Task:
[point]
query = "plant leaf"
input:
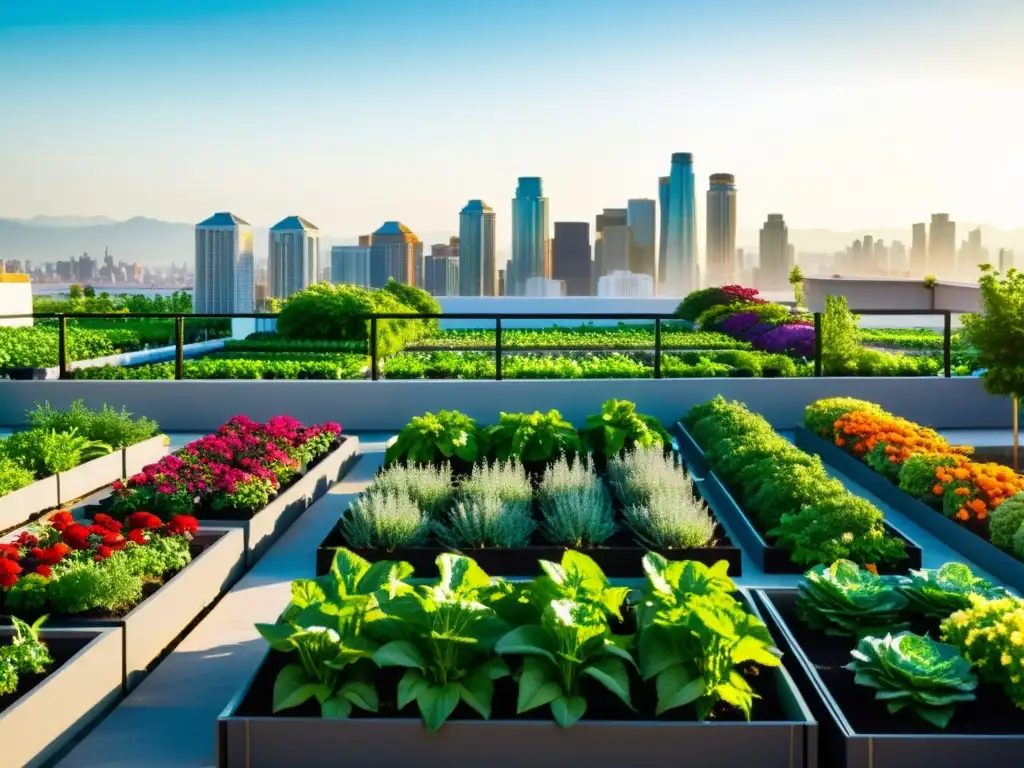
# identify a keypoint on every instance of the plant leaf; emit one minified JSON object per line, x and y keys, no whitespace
{"x":656,"y":652}
{"x":278,"y":635}
{"x":567,"y":710}
{"x":292,"y":688}
{"x":437,"y":702}
{"x":537,"y":685}
{"x":677,"y":687}
{"x":528,"y":640}
{"x":337,"y":707}
{"x":613,"y":675}
{"x":399,"y":653}
{"x":478,"y":692}
{"x":409,"y":687}
{"x":362,"y":694}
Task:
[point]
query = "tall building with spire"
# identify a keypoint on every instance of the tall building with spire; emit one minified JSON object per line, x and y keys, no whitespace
{"x":224,"y":266}
{"x":682,"y":270}
{"x":720,"y":252}
{"x":293,"y":260}
{"x":395,"y":253}
{"x":531,"y":246}
{"x":663,"y":208}
{"x":478,"y":267}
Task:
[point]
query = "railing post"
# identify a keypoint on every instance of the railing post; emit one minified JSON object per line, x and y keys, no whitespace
{"x":657,"y":348}
{"x":947,"y":343}
{"x":373,"y":348}
{"x":179,"y":347}
{"x":62,"y":347}
{"x":817,"y":343}
{"x":497,"y":349}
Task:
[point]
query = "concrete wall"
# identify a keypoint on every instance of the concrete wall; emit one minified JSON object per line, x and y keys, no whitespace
{"x":15,"y":299}
{"x":187,"y":406}
{"x":891,"y":293}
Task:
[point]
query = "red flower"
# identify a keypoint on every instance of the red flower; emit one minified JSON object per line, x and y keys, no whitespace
{"x":181,"y":525}
{"x":76,"y":536}
{"x":144,"y":520}
{"x":114,"y":541}
{"x":26,"y":539}
{"x":51,"y":555}
{"x":61,"y":520}
{"x":44,"y":570}
{"x":9,"y":551}
{"x":107,"y":522}
{"x":103,"y":552}
{"x":9,"y":571}
{"x":137,"y":535}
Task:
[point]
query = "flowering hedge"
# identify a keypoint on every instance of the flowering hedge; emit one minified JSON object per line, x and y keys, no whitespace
{"x":238,"y":468}
{"x":917,"y":459}
{"x":69,"y":567}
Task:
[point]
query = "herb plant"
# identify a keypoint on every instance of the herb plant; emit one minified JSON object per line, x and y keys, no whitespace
{"x":434,"y":438}
{"x":429,"y":487}
{"x":575,"y":507}
{"x":938,"y":593}
{"x":26,"y":654}
{"x":494,"y":509}
{"x":843,"y":599}
{"x":12,"y":475}
{"x":378,"y":520}
{"x":533,"y":437}
{"x":915,"y":673}
{"x":619,"y":427}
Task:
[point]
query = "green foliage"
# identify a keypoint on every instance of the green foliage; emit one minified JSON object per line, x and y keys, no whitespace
{"x":821,"y":415}
{"x":695,"y":637}
{"x":429,"y":487}
{"x":796,"y":279}
{"x":26,"y":654}
{"x":618,"y":427}
{"x":583,"y":337}
{"x":989,"y":636}
{"x":938,"y":593}
{"x":274,"y":342}
{"x":914,"y":673}
{"x":905,"y":338}
{"x":698,"y":302}
{"x":434,"y":438}
{"x":840,"y":341}
{"x":46,"y":452}
{"x":494,"y":508}
{"x":12,"y":475}
{"x":419,"y":301}
{"x":109,"y":587}
{"x":1005,"y":520}
{"x":842,"y":599}
{"x":253,"y":366}
{"x":917,"y":474}
{"x":712,"y":318}
{"x":532,"y":437}
{"x":107,"y":425}
{"x":575,"y":507}
{"x":1018,"y":544}
{"x":378,"y":520}
{"x":28,"y":596}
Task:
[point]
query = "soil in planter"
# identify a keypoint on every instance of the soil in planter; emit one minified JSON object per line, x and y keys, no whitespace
{"x":992,"y":713}
{"x":61,"y":649}
{"x":603,"y":706}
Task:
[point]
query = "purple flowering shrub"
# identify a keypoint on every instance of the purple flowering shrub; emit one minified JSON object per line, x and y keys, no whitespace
{"x":791,"y":339}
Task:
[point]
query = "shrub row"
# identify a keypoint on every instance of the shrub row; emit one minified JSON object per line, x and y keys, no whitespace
{"x":584,"y":337}
{"x":266,"y":366}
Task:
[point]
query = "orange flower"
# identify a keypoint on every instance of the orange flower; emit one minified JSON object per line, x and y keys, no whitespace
{"x":937,"y":489}
{"x":962,"y":515}
{"x":871,"y":568}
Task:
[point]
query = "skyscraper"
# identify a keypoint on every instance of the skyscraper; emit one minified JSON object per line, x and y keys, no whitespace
{"x":293,"y":261}
{"x":441,"y":270}
{"x":641,"y":216}
{"x":919,"y":251}
{"x":664,"y":206}
{"x":224,"y":265}
{"x":942,"y":247}
{"x":682,"y":272}
{"x":478,"y":268}
{"x":531,"y":251}
{"x":350,"y":265}
{"x":610,"y":217}
{"x":395,"y":252}
{"x":570,"y":257}
{"x":616,"y":247}
{"x":776,"y":255}
{"x":1006,"y":260}
{"x":721,"y":230}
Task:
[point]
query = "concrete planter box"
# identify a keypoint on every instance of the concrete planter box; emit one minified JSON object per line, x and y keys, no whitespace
{"x":265,"y":741}
{"x":26,"y":503}
{"x":44,"y":720}
{"x":974,"y":548}
{"x":145,"y":453}
{"x":769,"y":558}
{"x":266,"y":526}
{"x":842,"y":746}
{"x":89,"y":477}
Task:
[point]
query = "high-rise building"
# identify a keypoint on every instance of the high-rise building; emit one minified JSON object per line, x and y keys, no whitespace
{"x":543,"y":287}
{"x":570,"y":257}
{"x":224,"y":266}
{"x":366,"y":240}
{"x":616,"y":246}
{"x":898,"y":264}
{"x":531,"y":250}
{"x":919,"y":251}
{"x":664,"y":205}
{"x":641,"y":217}
{"x":1006,"y":261}
{"x":501,"y":282}
{"x":622,"y":284}
{"x":293,"y":261}
{"x":682,"y":270}
{"x":972,"y":255}
{"x":441,"y":273}
{"x":942,"y":247}
{"x":610,"y":217}
{"x":395,"y":253}
{"x":350,"y":265}
{"x":776,"y":255}
{"x":478,"y":267}
{"x":720,"y":253}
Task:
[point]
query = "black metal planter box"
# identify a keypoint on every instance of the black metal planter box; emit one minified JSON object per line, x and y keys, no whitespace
{"x":248,"y":737}
{"x":46,"y":714}
{"x":770,"y":559}
{"x":974,"y":548}
{"x":988,"y":733}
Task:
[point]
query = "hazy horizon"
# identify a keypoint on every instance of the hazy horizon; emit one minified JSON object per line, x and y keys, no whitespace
{"x":833,"y":114}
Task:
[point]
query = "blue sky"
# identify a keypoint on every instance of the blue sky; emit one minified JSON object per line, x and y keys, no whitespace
{"x":837,"y":114}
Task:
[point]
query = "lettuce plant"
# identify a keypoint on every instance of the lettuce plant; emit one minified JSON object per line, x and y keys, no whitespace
{"x":915,"y":673}
{"x":26,"y":654}
{"x":619,"y":427}
{"x":843,"y":599}
{"x":938,"y":593}
{"x":444,"y":635}
{"x":694,"y":635}
{"x":323,"y":626}
{"x":436,"y":437}
{"x":533,"y":437}
{"x":569,"y":639}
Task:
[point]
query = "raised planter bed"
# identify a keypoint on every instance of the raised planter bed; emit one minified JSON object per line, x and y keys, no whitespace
{"x":89,"y":477}
{"x":142,"y":454}
{"x":48,"y":712}
{"x":768,"y":558}
{"x":18,"y":507}
{"x":249,"y":737}
{"x":858,"y":732}
{"x":974,"y":548}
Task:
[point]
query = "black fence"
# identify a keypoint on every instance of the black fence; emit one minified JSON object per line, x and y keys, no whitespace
{"x":658,"y":319}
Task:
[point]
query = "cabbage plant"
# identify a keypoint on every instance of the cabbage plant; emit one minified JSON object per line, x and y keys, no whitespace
{"x":844,"y":599}
{"x":938,"y":593}
{"x":915,"y":673}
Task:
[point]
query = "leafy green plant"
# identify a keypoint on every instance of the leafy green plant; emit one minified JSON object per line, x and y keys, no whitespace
{"x":821,"y":415}
{"x":989,"y":636}
{"x":574,"y":504}
{"x":378,"y":520}
{"x":840,"y":342}
{"x":533,"y":437}
{"x":444,"y":635}
{"x":12,"y":475}
{"x":940,"y":592}
{"x":583,"y":337}
{"x":998,"y":331}
{"x":26,"y":654}
{"x":569,"y":639}
{"x":695,"y":637}
{"x":917,"y":474}
{"x":843,"y":599}
{"x":914,"y":673}
{"x":429,"y":487}
{"x":1005,"y":520}
{"x":436,"y":437}
{"x":494,"y":509}
{"x":619,"y":427}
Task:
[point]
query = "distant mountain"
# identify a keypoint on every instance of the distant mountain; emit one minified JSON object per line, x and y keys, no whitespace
{"x":66,"y":221}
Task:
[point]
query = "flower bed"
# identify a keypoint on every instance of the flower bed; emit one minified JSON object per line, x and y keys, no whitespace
{"x":768,"y":491}
{"x":890,"y":673}
{"x":916,"y":472}
{"x":491,"y":684}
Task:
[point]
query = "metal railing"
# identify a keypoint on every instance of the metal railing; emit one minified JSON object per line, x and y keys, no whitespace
{"x":657,"y":318}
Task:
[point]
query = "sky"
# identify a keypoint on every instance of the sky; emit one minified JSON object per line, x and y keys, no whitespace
{"x":838,"y":114}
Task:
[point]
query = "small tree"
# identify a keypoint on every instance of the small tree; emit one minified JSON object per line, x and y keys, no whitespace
{"x":997,"y":332}
{"x":840,"y":338}
{"x":796,"y":279}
